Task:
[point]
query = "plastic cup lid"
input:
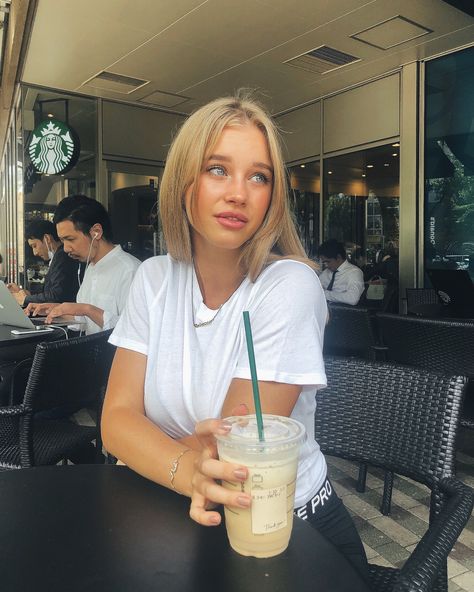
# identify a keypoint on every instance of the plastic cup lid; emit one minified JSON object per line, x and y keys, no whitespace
{"x":280,"y":433}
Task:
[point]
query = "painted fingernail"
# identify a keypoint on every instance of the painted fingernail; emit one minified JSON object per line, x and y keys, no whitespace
{"x":244,"y":502}
{"x":240,"y":474}
{"x":224,"y":428}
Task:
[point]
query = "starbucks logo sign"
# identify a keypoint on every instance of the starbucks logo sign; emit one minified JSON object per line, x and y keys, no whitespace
{"x":54,"y":147}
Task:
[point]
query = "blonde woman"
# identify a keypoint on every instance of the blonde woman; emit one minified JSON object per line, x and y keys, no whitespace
{"x":181,"y":354}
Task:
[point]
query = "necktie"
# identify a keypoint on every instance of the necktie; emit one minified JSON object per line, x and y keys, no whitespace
{"x":331,"y":283}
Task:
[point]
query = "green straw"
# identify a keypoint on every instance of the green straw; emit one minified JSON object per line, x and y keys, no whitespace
{"x":253,"y":373}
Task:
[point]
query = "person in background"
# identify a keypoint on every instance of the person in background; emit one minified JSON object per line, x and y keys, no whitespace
{"x":182,"y":361}
{"x":387,"y":263}
{"x":61,"y":283}
{"x":84,"y":228}
{"x":359,"y":258}
{"x":342,"y":282}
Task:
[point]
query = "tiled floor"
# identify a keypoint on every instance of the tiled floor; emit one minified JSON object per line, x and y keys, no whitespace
{"x":390,"y":539}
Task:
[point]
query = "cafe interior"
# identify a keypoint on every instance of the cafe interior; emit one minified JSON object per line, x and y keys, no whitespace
{"x":374,"y":101}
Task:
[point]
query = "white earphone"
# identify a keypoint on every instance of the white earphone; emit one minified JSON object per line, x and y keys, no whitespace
{"x":95,"y":236}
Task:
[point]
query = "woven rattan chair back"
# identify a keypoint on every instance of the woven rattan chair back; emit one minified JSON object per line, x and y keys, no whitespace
{"x":440,"y":345}
{"x":404,"y":420}
{"x":398,"y":418}
{"x":417,"y":296}
{"x":67,"y":373}
{"x":350,"y":331}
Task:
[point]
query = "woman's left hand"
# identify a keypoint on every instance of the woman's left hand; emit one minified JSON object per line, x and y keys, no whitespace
{"x":208,"y":470}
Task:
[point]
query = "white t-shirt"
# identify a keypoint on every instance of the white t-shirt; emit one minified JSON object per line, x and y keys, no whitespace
{"x":106,"y":285}
{"x":189,"y":370}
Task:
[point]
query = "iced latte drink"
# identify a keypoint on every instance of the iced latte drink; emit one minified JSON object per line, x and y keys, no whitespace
{"x":264,"y":529}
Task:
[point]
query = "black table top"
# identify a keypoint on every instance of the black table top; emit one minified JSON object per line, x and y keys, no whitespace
{"x":96,"y":528}
{"x":7,"y":338}
{"x":20,"y":347}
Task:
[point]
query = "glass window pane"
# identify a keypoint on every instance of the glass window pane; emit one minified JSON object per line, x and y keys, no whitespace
{"x":449,"y":162}
{"x":60,"y":159}
{"x":361,"y":206}
{"x":305,"y":184}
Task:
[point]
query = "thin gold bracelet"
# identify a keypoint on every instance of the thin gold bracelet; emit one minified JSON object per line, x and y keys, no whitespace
{"x":175,"y":466}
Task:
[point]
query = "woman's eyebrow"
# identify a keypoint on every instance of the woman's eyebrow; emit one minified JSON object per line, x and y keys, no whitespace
{"x":222,"y":158}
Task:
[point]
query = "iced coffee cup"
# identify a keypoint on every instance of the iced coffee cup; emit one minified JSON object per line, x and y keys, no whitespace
{"x":264,"y":529}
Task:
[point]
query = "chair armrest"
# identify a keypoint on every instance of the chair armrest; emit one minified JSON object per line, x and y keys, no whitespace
{"x":13,"y":411}
{"x":430,"y":555}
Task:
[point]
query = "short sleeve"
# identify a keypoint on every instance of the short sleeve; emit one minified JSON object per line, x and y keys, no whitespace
{"x":288,"y":313}
{"x":132,"y":329}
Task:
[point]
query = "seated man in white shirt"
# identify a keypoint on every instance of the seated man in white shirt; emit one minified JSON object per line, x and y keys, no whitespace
{"x":342,"y":282}
{"x":84,"y":228}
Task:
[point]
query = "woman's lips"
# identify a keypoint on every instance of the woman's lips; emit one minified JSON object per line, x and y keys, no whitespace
{"x":232,"y":221}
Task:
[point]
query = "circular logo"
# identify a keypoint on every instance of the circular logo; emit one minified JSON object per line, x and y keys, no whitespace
{"x":54,"y":147}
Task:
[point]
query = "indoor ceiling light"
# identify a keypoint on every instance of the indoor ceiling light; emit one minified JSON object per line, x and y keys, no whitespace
{"x":395,"y":154}
{"x":329,"y":172}
{"x":364,"y":175}
{"x":302,"y":166}
{"x":370,"y":166}
{"x":396,"y":145}
{"x":386,"y":164}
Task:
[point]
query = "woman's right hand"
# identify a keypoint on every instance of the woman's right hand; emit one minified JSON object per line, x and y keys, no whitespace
{"x":208,"y":471}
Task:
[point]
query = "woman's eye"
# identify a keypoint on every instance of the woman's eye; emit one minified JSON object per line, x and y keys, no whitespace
{"x":260,"y":178}
{"x":216,"y":170}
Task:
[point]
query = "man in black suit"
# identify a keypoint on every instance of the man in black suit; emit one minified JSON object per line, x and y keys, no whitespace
{"x":61,"y":283}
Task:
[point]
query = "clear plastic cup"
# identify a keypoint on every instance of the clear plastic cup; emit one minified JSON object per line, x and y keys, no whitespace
{"x":264,"y":529}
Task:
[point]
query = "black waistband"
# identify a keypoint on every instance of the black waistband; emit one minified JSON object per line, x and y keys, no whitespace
{"x":322,"y":498}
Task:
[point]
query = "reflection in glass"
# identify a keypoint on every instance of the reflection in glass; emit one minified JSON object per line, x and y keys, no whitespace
{"x":305,"y":185}
{"x":133,"y":208}
{"x":361,"y":207}
{"x":42,"y":192}
{"x":449,"y":162}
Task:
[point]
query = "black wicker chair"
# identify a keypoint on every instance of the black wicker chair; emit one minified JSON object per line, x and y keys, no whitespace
{"x":440,"y":345}
{"x":350,"y":331}
{"x":403,"y":420}
{"x":64,"y":374}
{"x":443,"y":346}
{"x":420,"y":296}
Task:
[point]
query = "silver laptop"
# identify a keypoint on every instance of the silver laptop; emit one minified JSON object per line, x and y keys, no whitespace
{"x":12,"y":314}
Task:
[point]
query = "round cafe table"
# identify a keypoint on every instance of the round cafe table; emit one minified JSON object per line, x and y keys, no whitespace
{"x":103,"y":528}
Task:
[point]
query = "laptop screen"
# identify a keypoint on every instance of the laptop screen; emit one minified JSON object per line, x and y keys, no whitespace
{"x":12,"y":314}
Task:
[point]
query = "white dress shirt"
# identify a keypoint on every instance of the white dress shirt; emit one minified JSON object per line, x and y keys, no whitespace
{"x":106,"y":285}
{"x":348,"y":284}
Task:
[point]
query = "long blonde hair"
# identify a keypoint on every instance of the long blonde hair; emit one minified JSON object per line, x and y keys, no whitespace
{"x":277,"y":237}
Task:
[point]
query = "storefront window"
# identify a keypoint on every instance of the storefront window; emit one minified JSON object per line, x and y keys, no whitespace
{"x":305,"y":185}
{"x":361,"y":203}
{"x":59,"y":158}
{"x":449,"y":162}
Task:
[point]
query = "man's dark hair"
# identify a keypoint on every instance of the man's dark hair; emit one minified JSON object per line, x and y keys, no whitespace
{"x":84,"y":212}
{"x":39,"y":227}
{"x":331,"y":249}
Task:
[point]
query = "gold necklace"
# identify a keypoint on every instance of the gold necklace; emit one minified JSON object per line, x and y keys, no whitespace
{"x":204,"y":323}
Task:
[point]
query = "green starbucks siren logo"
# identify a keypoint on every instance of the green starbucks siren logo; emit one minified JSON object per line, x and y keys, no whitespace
{"x":54,"y":147}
